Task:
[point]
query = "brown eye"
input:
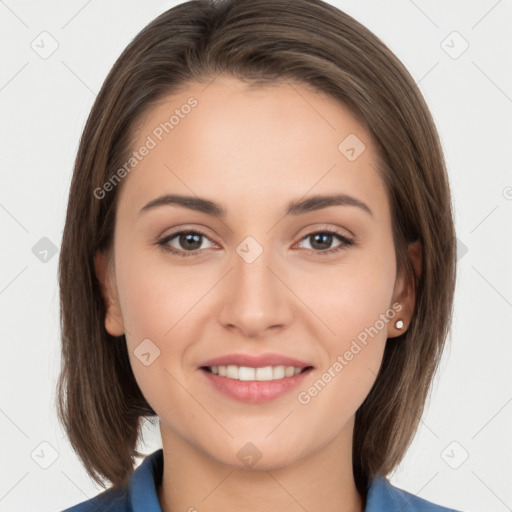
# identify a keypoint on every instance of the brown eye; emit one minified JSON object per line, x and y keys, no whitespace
{"x":321,"y":241}
{"x":183,"y":243}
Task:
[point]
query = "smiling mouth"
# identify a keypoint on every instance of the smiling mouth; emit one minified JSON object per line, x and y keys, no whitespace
{"x":258,"y":374}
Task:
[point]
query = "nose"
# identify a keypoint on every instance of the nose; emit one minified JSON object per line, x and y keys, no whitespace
{"x":255,"y":297}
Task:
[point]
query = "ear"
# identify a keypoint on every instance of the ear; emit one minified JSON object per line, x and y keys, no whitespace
{"x":405,"y":293}
{"x":104,"y":272}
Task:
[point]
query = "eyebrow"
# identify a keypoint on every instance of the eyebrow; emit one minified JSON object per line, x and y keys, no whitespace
{"x":299,"y":207}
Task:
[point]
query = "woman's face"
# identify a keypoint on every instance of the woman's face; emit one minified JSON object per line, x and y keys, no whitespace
{"x":312,"y":286}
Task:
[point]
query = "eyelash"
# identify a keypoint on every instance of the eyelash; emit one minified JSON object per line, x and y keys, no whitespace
{"x":346,"y":242}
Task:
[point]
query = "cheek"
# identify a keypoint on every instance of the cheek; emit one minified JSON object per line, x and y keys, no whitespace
{"x":161,"y":302}
{"x":352,"y":297}
{"x":156,"y":295}
{"x":154,"y":302}
{"x":356,"y":311}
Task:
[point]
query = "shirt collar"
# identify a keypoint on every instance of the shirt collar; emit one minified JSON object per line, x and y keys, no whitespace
{"x":381,"y":496}
{"x":144,"y":482}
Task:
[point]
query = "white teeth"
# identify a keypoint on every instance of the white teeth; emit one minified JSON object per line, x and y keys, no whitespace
{"x":289,"y":371}
{"x":259,"y":374}
{"x":278,"y":372}
{"x":232,"y":371}
{"x":245,"y":373}
{"x":264,"y":373}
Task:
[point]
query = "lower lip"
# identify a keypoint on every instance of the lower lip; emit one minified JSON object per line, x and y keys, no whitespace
{"x":254,"y":391}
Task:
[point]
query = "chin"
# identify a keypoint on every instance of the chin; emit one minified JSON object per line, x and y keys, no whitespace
{"x":258,"y":454}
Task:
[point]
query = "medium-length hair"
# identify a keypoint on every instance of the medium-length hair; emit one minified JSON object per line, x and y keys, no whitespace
{"x":260,"y":42}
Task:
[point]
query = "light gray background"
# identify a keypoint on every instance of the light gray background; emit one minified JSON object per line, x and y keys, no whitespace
{"x":44,"y":103}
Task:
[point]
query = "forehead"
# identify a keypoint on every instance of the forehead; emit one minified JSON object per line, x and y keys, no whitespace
{"x":258,"y":145}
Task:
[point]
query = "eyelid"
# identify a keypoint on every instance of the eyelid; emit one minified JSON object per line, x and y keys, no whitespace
{"x":317,"y":227}
{"x":177,"y":230}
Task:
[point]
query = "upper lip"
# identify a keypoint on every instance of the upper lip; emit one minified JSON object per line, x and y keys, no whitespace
{"x":253,"y":361}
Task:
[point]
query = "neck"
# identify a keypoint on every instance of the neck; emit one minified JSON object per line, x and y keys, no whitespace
{"x":194,"y":481}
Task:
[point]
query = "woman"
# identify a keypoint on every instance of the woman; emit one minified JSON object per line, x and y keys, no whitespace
{"x":259,"y":250}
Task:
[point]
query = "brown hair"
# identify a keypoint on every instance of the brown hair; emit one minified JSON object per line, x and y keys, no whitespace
{"x":260,"y":42}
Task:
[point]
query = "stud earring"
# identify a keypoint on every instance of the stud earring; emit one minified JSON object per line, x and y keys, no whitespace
{"x":399,"y":324}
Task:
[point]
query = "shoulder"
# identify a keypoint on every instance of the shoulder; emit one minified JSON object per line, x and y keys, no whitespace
{"x":140,"y":494}
{"x":384,"y":497}
{"x":111,"y":500}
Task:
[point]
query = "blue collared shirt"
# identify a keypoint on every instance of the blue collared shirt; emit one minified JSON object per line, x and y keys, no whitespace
{"x":141,"y":494}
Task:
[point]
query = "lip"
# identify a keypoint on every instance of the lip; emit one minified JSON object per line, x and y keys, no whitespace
{"x":256,"y":361}
{"x":253,"y":391}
